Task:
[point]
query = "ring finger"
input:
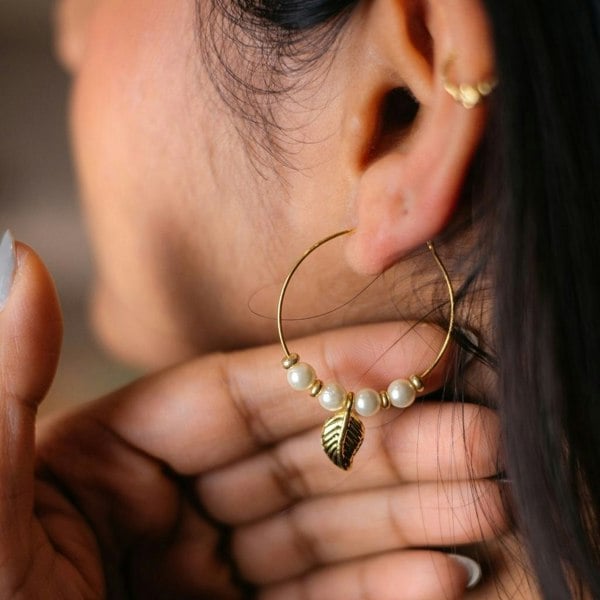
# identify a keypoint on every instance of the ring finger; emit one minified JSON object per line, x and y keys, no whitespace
{"x":429,"y":442}
{"x":333,"y":529}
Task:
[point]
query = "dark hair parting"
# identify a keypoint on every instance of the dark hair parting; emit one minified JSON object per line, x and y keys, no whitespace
{"x":296,"y":14}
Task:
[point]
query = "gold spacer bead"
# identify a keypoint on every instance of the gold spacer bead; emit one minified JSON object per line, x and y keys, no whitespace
{"x":349,"y":401}
{"x":316,"y":387}
{"x":290,"y":360}
{"x":416,"y":382}
{"x":385,"y":399}
{"x":485,"y":88}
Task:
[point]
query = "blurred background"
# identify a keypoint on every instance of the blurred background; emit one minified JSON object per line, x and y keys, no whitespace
{"x":38,"y":198}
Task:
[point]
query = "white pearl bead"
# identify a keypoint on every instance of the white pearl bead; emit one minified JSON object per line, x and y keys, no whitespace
{"x":401,"y":393}
{"x":301,"y":376}
{"x":332,"y":396}
{"x":367,"y":402}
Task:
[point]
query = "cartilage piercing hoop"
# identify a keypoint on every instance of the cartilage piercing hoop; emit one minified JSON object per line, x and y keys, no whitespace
{"x":469,"y":95}
{"x":343,"y":433}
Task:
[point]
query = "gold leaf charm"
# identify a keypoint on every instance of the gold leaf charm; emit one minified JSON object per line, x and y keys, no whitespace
{"x":342,"y":436}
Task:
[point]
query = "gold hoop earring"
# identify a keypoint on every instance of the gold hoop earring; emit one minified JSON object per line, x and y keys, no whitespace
{"x":343,"y":434}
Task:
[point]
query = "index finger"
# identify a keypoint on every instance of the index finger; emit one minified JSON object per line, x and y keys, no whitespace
{"x":219,"y":408}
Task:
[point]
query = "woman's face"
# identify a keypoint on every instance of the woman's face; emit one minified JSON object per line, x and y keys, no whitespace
{"x":189,"y":229}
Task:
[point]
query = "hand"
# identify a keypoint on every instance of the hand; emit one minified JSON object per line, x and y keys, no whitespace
{"x":167,"y":487}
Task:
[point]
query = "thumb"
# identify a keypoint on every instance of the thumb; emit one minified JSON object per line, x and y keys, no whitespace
{"x":30,"y":337}
{"x":30,"y":327}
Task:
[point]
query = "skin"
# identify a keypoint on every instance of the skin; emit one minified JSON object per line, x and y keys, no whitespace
{"x":93,"y":533}
{"x":153,"y":220}
{"x":147,"y":288}
{"x":204,"y":469}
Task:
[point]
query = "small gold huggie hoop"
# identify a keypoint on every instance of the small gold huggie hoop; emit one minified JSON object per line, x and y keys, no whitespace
{"x":343,"y":434}
{"x":467,"y":94}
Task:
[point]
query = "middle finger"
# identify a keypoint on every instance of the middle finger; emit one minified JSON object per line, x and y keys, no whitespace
{"x":429,"y":442}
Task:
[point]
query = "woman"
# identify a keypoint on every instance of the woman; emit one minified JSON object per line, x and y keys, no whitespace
{"x":215,"y":142}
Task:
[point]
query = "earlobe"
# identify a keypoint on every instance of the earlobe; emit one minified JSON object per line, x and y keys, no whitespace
{"x":405,"y":199}
{"x":408,"y":192}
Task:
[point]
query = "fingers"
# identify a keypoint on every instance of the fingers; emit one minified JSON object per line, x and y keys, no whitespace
{"x":30,"y":337}
{"x":410,"y":575}
{"x":220,"y":408}
{"x":429,"y":442}
{"x":30,"y":330}
{"x":333,"y":529}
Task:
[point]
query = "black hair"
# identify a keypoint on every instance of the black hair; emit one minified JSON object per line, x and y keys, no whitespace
{"x":296,"y":15}
{"x":546,"y":257}
{"x":259,"y":52}
{"x":539,"y":211}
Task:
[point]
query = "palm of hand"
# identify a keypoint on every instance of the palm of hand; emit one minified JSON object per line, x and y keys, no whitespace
{"x":115,"y":523}
{"x":123,"y":485}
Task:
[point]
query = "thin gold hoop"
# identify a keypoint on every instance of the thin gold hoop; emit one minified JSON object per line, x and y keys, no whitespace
{"x":343,"y":434}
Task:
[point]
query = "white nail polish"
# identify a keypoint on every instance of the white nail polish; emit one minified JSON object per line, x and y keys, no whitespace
{"x":471,"y":336}
{"x":471,"y":567}
{"x":474,"y":340}
{"x":7,"y":266}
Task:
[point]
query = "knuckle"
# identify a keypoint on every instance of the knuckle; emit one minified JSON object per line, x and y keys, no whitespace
{"x":486,"y":517}
{"x":247,"y":413}
{"x":288,"y":475}
{"x":482,"y":439}
{"x":306,"y":542}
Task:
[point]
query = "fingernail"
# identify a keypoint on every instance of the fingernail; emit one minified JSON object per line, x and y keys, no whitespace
{"x":471,"y":336}
{"x":473,"y":340}
{"x":471,"y":567}
{"x":7,"y":266}
{"x":501,"y":477}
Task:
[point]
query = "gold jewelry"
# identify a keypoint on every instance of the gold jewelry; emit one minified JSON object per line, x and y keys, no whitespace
{"x":343,"y":433}
{"x":466,"y":94}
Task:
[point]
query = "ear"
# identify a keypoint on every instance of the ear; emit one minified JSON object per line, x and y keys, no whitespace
{"x":409,"y":180}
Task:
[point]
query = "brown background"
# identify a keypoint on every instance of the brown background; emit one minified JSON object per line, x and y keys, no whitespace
{"x":38,"y":199}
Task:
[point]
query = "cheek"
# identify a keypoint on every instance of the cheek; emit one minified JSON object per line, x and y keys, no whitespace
{"x":131,"y":120}
{"x":131,"y":124}
{"x":129,"y":100}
